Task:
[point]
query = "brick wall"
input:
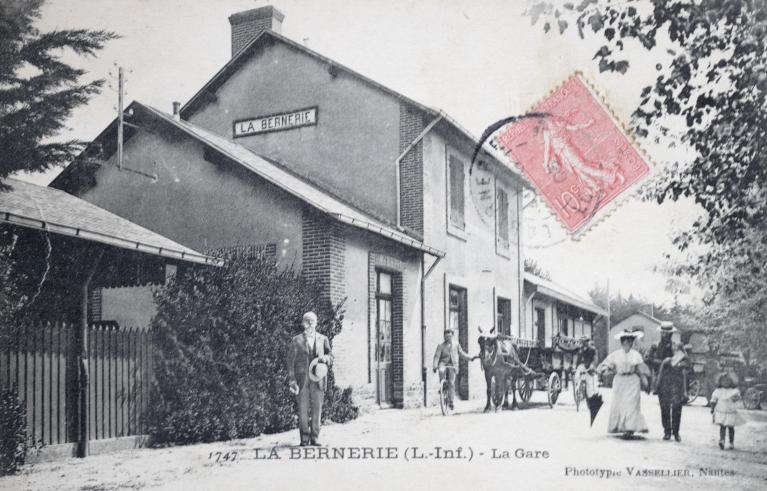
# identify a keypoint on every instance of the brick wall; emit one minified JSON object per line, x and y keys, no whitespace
{"x":411,"y":169}
{"x":246,"y":25}
{"x":323,"y":253}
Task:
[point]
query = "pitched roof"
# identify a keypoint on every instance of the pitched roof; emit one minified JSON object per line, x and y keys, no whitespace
{"x":554,"y":290}
{"x":652,"y":318}
{"x":32,"y":206}
{"x":289,"y":182}
{"x":241,"y":56}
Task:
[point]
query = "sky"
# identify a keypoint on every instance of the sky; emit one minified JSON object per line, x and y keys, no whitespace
{"x":479,"y":61}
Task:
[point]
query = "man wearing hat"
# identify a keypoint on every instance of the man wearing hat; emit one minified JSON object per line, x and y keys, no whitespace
{"x":662,"y":350}
{"x":309,"y":356}
{"x":665,"y":348}
{"x":667,"y":387}
{"x":446,"y":361}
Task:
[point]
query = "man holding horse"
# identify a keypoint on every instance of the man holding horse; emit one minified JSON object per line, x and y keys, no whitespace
{"x":446,"y":359}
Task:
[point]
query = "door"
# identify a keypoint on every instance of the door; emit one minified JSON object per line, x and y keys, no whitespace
{"x":540,"y":324}
{"x":383,"y":339}
{"x":458,"y":320}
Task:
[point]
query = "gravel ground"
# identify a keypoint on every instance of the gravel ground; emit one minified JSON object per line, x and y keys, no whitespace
{"x":562,"y":432}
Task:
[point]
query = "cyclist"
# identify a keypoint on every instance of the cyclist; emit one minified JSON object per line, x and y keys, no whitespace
{"x":446,"y":361}
{"x":586,"y":366}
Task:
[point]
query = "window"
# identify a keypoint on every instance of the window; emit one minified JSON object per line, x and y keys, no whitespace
{"x":563,"y":326}
{"x":454,"y":320}
{"x":456,"y":191}
{"x":503,"y":316}
{"x":502,"y":218}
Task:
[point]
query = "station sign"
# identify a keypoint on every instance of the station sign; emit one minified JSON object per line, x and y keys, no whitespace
{"x":275,"y":122}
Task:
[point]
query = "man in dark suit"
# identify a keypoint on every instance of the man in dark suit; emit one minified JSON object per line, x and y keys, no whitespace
{"x":309,"y":383}
{"x":669,"y":381}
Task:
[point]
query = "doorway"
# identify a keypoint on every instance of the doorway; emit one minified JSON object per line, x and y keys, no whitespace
{"x":458,"y":320}
{"x":383,"y":339}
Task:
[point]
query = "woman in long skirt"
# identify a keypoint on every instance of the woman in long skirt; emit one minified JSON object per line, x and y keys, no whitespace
{"x":631,"y":374}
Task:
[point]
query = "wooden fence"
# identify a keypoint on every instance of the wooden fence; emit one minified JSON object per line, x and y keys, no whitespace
{"x":39,"y":361}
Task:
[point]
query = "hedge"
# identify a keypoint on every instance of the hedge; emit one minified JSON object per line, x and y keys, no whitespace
{"x":220,"y":338}
{"x":13,"y":437}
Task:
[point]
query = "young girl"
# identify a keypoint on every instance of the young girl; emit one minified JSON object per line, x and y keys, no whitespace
{"x":723,"y":407}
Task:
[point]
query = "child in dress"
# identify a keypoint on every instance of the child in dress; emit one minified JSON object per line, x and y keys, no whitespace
{"x":723,"y":407}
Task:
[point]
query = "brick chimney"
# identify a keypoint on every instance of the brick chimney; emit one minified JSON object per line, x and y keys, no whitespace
{"x":246,"y":25}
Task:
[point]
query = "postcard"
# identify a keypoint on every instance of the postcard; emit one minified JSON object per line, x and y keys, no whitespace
{"x":256,"y":244}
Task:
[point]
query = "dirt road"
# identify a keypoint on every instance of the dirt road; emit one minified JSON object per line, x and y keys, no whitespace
{"x":468,"y":450}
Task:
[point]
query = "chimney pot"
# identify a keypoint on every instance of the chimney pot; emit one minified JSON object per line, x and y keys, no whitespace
{"x":176,"y":110}
{"x":248,"y":24}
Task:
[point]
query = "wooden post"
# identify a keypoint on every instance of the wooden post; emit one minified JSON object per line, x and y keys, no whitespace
{"x":82,"y":362}
{"x":120,"y":89}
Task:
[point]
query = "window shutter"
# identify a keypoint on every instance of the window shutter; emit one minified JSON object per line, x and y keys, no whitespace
{"x":503,"y":219}
{"x":456,"y":193}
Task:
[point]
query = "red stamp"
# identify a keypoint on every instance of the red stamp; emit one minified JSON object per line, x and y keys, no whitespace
{"x":574,"y":153}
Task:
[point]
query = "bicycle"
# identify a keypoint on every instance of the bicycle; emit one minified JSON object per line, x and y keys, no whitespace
{"x":579,"y":391}
{"x":579,"y":388}
{"x":444,"y":393}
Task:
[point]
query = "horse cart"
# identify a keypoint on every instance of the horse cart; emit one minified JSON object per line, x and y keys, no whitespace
{"x":705,"y":368}
{"x":526,"y":365}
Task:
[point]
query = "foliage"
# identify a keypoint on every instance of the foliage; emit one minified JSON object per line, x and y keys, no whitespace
{"x":13,"y":438}
{"x":8,"y":299}
{"x":535,"y":269}
{"x":14,"y":294}
{"x":38,"y":91}
{"x":622,"y":307}
{"x":710,"y":95}
{"x":221,"y":338}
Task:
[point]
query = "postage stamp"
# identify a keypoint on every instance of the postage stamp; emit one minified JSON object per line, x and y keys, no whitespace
{"x":574,"y":153}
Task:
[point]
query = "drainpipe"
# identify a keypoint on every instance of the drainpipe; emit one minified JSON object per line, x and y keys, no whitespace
{"x":520,"y":259}
{"x":424,"y":275}
{"x":82,"y":361}
{"x":402,"y":156}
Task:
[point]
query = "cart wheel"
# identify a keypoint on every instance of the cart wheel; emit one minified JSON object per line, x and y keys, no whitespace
{"x":554,"y":388}
{"x":525,"y":389}
{"x":693,"y":391}
{"x":752,"y":398}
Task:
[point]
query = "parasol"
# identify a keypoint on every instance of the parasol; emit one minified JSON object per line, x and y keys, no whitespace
{"x":594,"y":403}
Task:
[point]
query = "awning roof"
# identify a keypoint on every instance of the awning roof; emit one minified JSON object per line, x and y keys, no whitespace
{"x":38,"y":207}
{"x":553,"y":290}
{"x":290,"y":183}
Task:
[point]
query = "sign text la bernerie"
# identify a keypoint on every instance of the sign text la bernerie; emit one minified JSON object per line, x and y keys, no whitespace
{"x":276,"y":122}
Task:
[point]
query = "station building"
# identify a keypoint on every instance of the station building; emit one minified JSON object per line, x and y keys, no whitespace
{"x":639,"y":321}
{"x":365,"y":190}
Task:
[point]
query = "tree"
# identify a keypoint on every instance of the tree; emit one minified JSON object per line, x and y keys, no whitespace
{"x":622,"y":307}
{"x":535,"y":269}
{"x":38,"y":91}
{"x":715,"y":85}
{"x":710,"y":95}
